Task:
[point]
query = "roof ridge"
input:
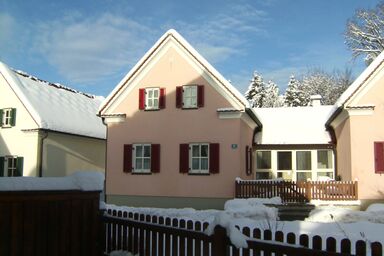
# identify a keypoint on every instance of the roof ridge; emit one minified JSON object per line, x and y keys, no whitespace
{"x":55,"y":85}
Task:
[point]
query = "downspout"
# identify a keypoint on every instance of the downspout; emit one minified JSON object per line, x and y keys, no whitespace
{"x":42,"y":152}
{"x":105,"y":157}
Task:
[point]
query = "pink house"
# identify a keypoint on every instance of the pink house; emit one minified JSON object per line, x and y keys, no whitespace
{"x":358,"y":121}
{"x":178,"y":133}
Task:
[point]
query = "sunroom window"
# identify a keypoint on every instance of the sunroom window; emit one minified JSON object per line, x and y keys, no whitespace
{"x":263,"y":160}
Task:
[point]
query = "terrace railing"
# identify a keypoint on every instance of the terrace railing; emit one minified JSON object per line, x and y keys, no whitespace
{"x":297,"y":192}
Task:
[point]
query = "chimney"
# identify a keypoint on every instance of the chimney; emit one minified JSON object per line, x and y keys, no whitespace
{"x":315,"y":100}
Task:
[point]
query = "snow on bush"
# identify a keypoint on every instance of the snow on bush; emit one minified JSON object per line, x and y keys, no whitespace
{"x":333,"y":214}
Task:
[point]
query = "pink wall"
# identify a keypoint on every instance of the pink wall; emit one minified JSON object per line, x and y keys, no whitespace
{"x":171,"y":127}
{"x":358,"y":137}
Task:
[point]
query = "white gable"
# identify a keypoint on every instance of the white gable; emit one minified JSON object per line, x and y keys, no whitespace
{"x":173,"y":39}
{"x":55,"y":107}
{"x":293,"y":125}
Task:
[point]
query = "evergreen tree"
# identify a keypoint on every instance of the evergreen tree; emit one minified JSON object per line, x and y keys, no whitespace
{"x":294,"y":94}
{"x":256,"y":91}
{"x":272,"y":99}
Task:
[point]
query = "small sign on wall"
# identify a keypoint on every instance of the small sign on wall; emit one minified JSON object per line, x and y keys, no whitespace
{"x":234,"y":146}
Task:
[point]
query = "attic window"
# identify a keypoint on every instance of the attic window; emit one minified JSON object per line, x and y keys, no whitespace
{"x":190,"y":96}
{"x":8,"y":117}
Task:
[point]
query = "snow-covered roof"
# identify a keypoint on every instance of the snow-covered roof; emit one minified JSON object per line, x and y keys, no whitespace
{"x":56,"y":107}
{"x":230,"y":90}
{"x":293,"y":125}
{"x":357,"y":84}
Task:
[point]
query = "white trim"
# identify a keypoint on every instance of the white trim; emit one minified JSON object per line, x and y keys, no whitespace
{"x":198,"y":171}
{"x":360,"y":111}
{"x":172,"y":39}
{"x":230,"y":115}
{"x":113,"y":119}
{"x":142,"y":170}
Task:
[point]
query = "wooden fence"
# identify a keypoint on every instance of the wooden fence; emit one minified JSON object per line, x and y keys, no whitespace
{"x":49,"y":223}
{"x":297,"y":192}
{"x":153,"y":235}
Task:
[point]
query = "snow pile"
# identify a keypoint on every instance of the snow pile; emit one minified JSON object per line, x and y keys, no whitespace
{"x":184,"y":213}
{"x":333,"y":214}
{"x":253,"y":208}
{"x":86,"y":181}
{"x":376,"y":208}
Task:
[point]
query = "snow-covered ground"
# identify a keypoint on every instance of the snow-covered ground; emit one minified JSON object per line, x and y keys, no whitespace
{"x":325,"y":221}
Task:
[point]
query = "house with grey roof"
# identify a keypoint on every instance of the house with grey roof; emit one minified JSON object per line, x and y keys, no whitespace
{"x":47,"y":129}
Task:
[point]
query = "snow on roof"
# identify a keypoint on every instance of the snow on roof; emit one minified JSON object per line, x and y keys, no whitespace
{"x":56,"y":107}
{"x":232,"y":91}
{"x":293,"y":125}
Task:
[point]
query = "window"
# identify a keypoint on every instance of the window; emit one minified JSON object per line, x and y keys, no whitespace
{"x":151,"y":98}
{"x":263,"y":159}
{"x":263,"y":175}
{"x":324,"y":159}
{"x":199,"y":158}
{"x":284,"y":160}
{"x":11,"y":166}
{"x":190,"y":96}
{"x":8,"y":117}
{"x":141,"y":158}
{"x":303,"y":160}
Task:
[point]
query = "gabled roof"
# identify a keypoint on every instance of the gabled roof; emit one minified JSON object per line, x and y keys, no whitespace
{"x":230,"y":91}
{"x":356,"y":86}
{"x":293,"y":125}
{"x":55,"y":107}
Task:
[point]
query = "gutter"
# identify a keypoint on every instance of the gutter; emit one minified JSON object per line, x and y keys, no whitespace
{"x":333,"y":116}
{"x":259,"y":127}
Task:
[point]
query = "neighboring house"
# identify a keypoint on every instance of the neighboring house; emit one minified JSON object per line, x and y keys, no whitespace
{"x":293,"y":144}
{"x":178,"y":132}
{"x":47,"y":129}
{"x":358,"y":122}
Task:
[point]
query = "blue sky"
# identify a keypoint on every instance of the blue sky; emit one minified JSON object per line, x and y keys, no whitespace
{"x":90,"y":45}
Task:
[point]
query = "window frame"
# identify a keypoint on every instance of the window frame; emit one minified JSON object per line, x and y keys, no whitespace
{"x":153,"y":98}
{"x":10,"y":171}
{"x":200,"y":158}
{"x":6,"y":121}
{"x":185,"y":96}
{"x":142,"y":157}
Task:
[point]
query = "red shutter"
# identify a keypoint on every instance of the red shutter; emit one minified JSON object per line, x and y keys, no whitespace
{"x":155,"y":158}
{"x":200,"y":96}
{"x":162,"y":98}
{"x":379,"y":157}
{"x":246,"y":160}
{"x":127,"y":158}
{"x":184,"y":158}
{"x":214,"y":158}
{"x":141,"y":98}
{"x":179,"y":96}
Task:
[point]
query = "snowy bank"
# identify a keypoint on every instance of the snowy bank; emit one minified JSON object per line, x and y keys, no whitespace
{"x":86,"y":181}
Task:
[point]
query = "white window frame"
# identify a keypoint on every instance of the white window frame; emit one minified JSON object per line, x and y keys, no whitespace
{"x":191,"y":157}
{"x":295,"y":168}
{"x":142,"y":157}
{"x":12,"y":170}
{"x":187,"y":99}
{"x":293,"y":173}
{"x":7,"y":117}
{"x":150,"y":100}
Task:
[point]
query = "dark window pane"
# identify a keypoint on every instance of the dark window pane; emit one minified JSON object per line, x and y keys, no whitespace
{"x":284,"y":160}
{"x":263,"y":159}
{"x":303,"y":160}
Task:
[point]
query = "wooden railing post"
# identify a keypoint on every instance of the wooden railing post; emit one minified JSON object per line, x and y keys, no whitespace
{"x":308,"y":188}
{"x":356,"y":196}
{"x":219,"y":241}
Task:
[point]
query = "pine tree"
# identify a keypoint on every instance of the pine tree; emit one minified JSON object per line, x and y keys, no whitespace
{"x":294,"y":94}
{"x":272,"y":99}
{"x":256,"y":91}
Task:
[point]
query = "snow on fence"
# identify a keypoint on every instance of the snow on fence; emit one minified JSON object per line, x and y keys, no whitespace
{"x":297,"y":192}
{"x":143,"y":234}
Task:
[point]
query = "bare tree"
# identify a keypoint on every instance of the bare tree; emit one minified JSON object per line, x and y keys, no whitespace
{"x":364,"y":33}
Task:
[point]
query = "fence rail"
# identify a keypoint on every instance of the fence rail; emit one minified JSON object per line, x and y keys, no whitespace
{"x":297,"y":192}
{"x":153,"y":235}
